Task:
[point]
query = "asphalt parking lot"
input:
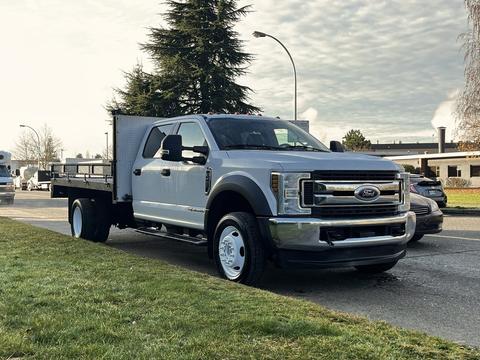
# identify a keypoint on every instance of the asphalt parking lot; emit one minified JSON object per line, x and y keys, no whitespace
{"x":435,"y":289}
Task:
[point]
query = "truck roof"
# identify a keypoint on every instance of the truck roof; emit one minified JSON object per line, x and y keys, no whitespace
{"x":208,"y":117}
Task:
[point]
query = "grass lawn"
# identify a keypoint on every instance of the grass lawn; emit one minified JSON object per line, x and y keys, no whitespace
{"x":463,"y":197}
{"x":66,"y":298}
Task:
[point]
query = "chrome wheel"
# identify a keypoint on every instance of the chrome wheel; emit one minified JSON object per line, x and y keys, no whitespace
{"x":77,"y":222}
{"x":231,"y":250}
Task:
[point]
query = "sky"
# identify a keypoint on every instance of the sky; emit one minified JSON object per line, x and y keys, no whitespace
{"x":389,"y":68}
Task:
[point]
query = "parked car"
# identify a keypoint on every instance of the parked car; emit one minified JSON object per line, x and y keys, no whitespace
{"x":429,"y":216}
{"x":250,"y":189}
{"x":432,"y":189}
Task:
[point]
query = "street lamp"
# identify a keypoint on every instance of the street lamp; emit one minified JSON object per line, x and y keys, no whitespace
{"x":38,"y":141}
{"x":106,"y":136}
{"x":259,"y":34}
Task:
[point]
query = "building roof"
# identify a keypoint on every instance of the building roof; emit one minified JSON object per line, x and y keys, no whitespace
{"x":450,"y":155}
{"x":412,"y":146}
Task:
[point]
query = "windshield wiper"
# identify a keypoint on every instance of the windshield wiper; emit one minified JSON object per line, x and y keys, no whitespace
{"x":251,"y":146}
{"x":303,"y":147}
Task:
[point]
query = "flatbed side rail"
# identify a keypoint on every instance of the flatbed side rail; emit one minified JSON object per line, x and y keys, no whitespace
{"x":84,"y":170}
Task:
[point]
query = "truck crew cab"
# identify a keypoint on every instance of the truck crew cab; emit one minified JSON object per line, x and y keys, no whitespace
{"x":249,"y":188}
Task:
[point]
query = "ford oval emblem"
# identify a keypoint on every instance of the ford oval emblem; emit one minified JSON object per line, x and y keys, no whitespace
{"x":367,"y":193}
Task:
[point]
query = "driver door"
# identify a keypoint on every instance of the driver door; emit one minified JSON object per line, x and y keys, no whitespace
{"x":189,"y":180}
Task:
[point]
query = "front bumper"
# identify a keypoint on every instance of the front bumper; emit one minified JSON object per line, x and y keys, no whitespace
{"x":429,"y":224}
{"x":6,"y":196}
{"x":298,"y":241}
{"x":306,"y":233}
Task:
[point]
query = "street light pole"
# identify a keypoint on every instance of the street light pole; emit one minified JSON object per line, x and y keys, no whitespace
{"x":106,"y":136}
{"x":259,"y":34}
{"x":38,"y":141}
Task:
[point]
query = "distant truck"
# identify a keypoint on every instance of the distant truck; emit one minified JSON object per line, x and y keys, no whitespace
{"x":251,"y":189}
{"x":7,"y":189}
{"x":24,"y":174}
{"x":41,"y":180}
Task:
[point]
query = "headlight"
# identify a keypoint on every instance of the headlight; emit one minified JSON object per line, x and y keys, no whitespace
{"x":433,"y":205}
{"x":286,"y":187}
{"x":405,"y":189}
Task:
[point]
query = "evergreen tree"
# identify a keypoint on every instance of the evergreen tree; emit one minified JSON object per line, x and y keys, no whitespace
{"x":142,"y":96}
{"x":354,"y":140}
{"x":197,"y":59}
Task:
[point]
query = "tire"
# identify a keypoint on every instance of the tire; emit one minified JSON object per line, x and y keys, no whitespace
{"x":375,"y":268}
{"x":238,"y":249}
{"x":416,"y":238}
{"x":89,"y":221}
{"x":442,"y":204}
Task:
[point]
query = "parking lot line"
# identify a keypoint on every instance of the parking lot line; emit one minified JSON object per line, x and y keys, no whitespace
{"x":452,"y":237}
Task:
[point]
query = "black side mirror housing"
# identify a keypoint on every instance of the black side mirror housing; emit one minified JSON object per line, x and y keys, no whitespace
{"x":17,"y":172}
{"x":336,"y":146}
{"x":171,"y":148}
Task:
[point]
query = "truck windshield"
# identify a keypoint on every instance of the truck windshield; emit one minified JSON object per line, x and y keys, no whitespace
{"x":4,"y":171}
{"x":262,"y":134}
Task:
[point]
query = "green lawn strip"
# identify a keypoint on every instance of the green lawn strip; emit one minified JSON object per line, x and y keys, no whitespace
{"x":463,"y":198}
{"x":67,"y":298}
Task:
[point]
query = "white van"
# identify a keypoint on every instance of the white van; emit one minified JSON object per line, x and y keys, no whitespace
{"x":7,"y":189}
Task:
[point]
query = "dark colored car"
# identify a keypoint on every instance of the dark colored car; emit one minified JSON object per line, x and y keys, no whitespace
{"x":429,"y":188}
{"x":429,"y":216}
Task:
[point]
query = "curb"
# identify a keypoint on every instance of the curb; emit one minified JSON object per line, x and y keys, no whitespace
{"x":466,"y":211}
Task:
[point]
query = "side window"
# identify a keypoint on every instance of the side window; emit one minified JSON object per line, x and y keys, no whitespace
{"x":155,"y":140}
{"x":192,"y":135}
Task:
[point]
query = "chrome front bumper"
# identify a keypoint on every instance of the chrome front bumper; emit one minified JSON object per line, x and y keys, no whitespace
{"x":304,"y":233}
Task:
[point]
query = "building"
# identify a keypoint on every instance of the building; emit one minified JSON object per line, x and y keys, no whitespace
{"x":439,"y":160}
{"x":444,"y":166}
{"x":400,"y":148}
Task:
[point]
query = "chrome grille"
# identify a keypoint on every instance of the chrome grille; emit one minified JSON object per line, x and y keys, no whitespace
{"x":336,"y":193}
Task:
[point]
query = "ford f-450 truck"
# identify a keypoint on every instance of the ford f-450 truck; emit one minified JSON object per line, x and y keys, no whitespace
{"x":251,"y":189}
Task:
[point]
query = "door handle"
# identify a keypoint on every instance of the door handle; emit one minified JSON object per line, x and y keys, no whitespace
{"x":137,"y":172}
{"x":165,"y":172}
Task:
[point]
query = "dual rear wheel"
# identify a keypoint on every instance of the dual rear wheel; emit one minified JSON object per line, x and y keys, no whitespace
{"x":90,"y":220}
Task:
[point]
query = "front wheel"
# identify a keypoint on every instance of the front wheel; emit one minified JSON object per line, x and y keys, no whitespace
{"x":375,"y":268}
{"x":238,"y":248}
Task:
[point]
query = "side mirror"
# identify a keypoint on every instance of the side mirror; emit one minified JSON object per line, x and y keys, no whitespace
{"x":17,"y":172}
{"x":171,"y":148}
{"x":336,"y":146}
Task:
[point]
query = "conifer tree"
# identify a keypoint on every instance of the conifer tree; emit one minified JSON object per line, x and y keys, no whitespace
{"x":197,"y":59}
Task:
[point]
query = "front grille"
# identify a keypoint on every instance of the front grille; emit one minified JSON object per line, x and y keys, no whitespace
{"x":355,"y":175}
{"x":354,"y":211}
{"x":339,"y":193}
{"x":420,"y":209}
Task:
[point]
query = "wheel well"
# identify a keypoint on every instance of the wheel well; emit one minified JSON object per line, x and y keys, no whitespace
{"x":224,"y":203}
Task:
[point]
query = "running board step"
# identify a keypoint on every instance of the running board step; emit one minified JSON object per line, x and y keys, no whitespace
{"x":183,"y":238}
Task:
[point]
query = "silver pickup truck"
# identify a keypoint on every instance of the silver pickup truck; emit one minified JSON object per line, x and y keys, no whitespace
{"x":251,"y":189}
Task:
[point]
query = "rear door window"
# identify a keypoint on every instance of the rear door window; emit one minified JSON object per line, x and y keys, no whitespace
{"x":154,"y":141}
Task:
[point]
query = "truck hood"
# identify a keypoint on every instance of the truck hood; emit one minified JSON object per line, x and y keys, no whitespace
{"x":309,"y":160}
{"x":6,"y":179}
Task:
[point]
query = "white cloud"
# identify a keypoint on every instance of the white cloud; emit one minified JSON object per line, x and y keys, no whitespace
{"x":376,"y":65}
